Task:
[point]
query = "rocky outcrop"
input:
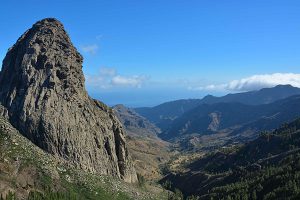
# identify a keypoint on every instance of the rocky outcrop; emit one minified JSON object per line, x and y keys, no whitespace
{"x":215,"y":121}
{"x":42,"y":88}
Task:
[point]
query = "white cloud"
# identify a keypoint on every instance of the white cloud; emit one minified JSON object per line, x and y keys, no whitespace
{"x":107,"y":71}
{"x":255,"y":82}
{"x":134,"y":81}
{"x":91,"y":49}
{"x":109,"y":77}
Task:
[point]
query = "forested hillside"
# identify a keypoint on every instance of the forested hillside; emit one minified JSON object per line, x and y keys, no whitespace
{"x":266,"y":168}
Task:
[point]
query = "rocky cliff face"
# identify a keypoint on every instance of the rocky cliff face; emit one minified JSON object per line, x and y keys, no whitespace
{"x":42,"y":88}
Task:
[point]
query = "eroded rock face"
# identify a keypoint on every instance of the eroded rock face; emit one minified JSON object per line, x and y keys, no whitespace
{"x":42,"y":87}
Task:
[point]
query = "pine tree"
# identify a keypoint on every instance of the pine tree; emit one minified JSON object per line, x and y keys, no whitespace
{"x":254,"y":197}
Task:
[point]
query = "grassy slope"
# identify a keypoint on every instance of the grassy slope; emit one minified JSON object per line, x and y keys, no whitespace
{"x":149,"y":155}
{"x":25,"y":168}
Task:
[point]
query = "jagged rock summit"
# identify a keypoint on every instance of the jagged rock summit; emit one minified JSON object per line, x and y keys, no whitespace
{"x":42,"y":88}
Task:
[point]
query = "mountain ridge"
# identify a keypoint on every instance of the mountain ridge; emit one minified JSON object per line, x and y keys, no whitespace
{"x":135,"y":123}
{"x":162,"y":115}
{"x":211,"y":118}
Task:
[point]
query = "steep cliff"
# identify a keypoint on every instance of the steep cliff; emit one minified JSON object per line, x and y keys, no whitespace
{"x":42,"y":88}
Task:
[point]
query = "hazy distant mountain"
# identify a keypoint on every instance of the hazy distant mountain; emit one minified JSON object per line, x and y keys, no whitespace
{"x":263,"y":96}
{"x":164,"y":114}
{"x":134,"y":123}
{"x":212,"y":118}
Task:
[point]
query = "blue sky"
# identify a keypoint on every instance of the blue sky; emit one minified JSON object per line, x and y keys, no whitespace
{"x":141,"y":53}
